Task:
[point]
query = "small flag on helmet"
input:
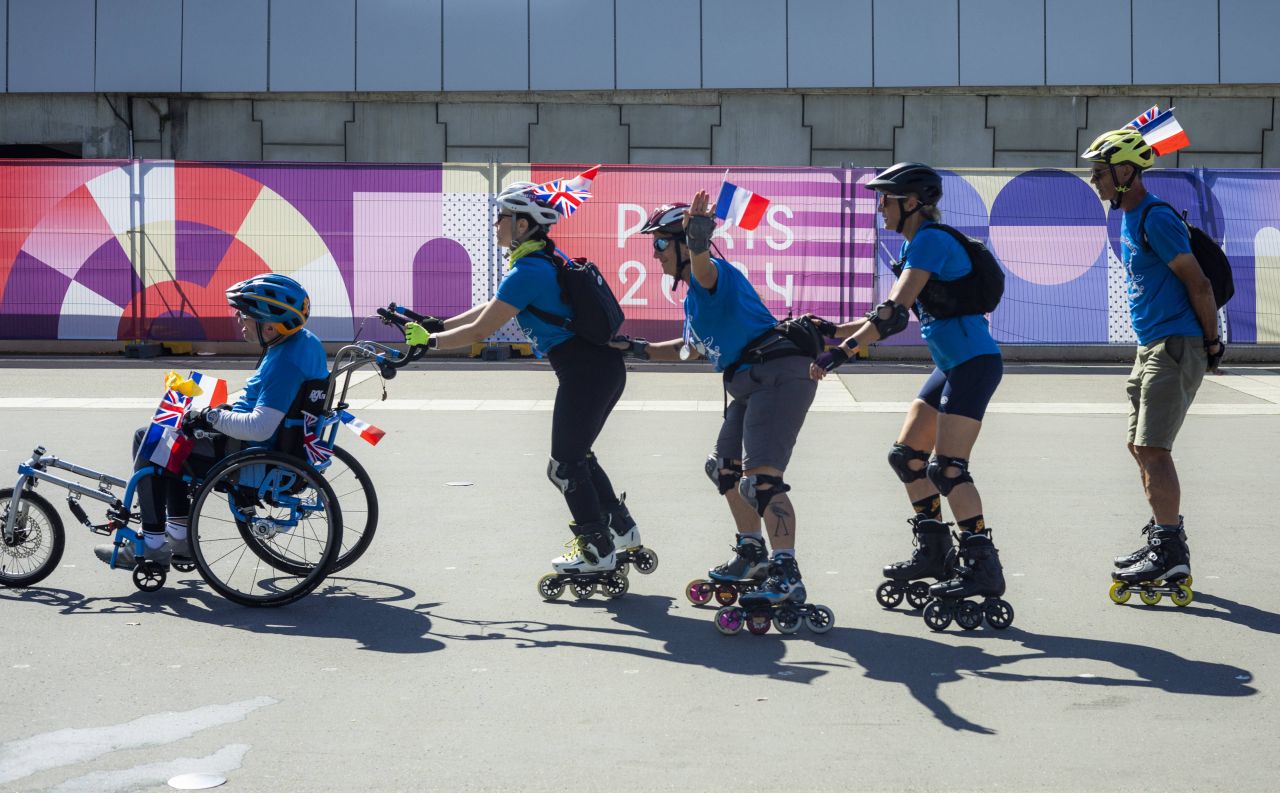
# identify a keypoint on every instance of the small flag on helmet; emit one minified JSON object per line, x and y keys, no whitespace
{"x":1164,"y":134}
{"x":1146,"y":117}
{"x":566,"y":195}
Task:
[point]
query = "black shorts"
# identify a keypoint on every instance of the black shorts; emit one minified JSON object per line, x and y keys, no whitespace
{"x":965,"y":389}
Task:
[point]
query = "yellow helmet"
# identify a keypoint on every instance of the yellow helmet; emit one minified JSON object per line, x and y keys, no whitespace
{"x":1121,"y":146}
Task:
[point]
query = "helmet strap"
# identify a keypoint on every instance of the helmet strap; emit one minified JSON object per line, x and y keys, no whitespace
{"x":904,"y":213}
{"x":1121,"y":189}
{"x":682,"y":262}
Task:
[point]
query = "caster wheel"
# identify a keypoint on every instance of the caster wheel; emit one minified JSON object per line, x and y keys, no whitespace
{"x":184,"y":567}
{"x":758,"y":621}
{"x":969,"y":615}
{"x":698,"y":592}
{"x":918,"y":594}
{"x":614,"y":586}
{"x":726,"y":594}
{"x":645,"y":561}
{"x":582,"y":589}
{"x":787,"y":621}
{"x":149,"y":577}
{"x":820,"y":620}
{"x":1150,"y":598}
{"x":937,"y":615}
{"x":999,"y":613}
{"x":1183,"y":597}
{"x":729,"y":620}
{"x":1120,"y":592}
{"x":889,"y":594}
{"x":550,"y":586}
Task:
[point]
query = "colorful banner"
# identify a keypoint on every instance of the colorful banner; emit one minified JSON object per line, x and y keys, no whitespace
{"x":144,"y":250}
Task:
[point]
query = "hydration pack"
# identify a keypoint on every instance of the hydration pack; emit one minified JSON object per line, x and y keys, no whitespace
{"x":596,"y":313}
{"x":976,"y":292}
{"x":1212,"y":259}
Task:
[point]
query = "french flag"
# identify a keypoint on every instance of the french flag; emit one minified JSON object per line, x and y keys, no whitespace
{"x":740,"y":207}
{"x":1164,"y":134}
{"x":172,"y":448}
{"x":213,"y":391}
{"x":369,"y":433}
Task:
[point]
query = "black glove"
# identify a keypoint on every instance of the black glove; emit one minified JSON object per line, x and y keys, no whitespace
{"x":833,"y":358}
{"x":196,"y":420}
{"x":636,"y":348}
{"x":826,"y":328}
{"x":698,"y":233}
{"x":432,"y":324}
{"x":1215,"y":358}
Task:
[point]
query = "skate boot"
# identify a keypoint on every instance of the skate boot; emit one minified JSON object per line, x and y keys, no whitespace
{"x":626,"y":539}
{"x":743,"y":572}
{"x":1129,"y":560}
{"x":975,"y":571}
{"x":779,"y":601}
{"x":928,"y":560}
{"x":1165,"y":570}
{"x":588,"y":564}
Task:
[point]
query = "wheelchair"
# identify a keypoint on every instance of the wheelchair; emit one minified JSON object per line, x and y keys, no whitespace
{"x":266,"y":524}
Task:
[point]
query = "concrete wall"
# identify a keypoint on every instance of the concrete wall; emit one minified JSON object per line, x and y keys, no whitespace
{"x":1228,"y":128}
{"x":77,"y":46}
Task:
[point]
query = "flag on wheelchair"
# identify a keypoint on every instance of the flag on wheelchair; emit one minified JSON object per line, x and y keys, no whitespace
{"x":164,"y":444}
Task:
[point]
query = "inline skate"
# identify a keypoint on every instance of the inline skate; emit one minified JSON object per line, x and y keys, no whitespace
{"x":928,"y":560}
{"x":974,"y":570}
{"x":744,"y":572}
{"x":588,"y":565}
{"x":626,"y":541}
{"x":779,"y":601}
{"x":1164,"y":569}
{"x":1130,"y":559}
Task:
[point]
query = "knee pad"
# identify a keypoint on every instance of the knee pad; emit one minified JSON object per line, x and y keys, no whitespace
{"x":568,"y":477}
{"x":900,"y":457}
{"x":715,"y":472}
{"x":750,"y":490}
{"x":938,"y":473}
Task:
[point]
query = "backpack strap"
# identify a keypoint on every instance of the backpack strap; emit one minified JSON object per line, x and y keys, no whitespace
{"x":565,"y":323}
{"x":1142,"y":221}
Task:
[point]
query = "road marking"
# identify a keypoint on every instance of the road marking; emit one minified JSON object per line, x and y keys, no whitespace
{"x":223,"y":761}
{"x":1255,"y":385}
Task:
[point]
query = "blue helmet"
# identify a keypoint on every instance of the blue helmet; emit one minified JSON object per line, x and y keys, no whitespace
{"x":273,"y":299}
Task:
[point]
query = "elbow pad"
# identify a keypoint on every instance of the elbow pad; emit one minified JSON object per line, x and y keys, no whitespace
{"x":888,"y":318}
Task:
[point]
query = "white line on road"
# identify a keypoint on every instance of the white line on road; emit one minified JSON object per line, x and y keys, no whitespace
{"x":223,"y":761}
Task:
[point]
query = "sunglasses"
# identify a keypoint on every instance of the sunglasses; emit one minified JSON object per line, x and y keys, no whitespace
{"x":501,"y":217}
{"x":660,"y":244}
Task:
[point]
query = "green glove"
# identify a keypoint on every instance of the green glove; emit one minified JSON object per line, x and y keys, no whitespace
{"x":417,"y":336}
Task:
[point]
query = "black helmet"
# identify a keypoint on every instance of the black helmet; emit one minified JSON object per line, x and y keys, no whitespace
{"x":907,"y":178}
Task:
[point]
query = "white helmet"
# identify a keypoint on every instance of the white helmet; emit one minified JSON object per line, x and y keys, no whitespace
{"x":518,"y":198}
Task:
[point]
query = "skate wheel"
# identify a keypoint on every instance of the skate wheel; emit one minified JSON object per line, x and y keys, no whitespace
{"x":550,"y":586}
{"x":969,"y":615}
{"x":645,"y":561}
{"x":787,"y":621}
{"x":698,"y":592}
{"x":582,"y":589}
{"x":614,"y":586}
{"x":1119,"y":592}
{"x":1188,"y":581}
{"x":889,"y":594}
{"x":1150,"y":598}
{"x":999,"y":613}
{"x":729,"y":620}
{"x":820,"y":619}
{"x":184,"y":567}
{"x":918,"y":594}
{"x":758,"y":621}
{"x":726,"y":594}
{"x":148,"y":577}
{"x":937,"y":615}
{"x":1183,"y":596}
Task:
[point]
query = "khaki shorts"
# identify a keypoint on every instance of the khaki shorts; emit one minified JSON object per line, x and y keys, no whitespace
{"x":1161,"y":387}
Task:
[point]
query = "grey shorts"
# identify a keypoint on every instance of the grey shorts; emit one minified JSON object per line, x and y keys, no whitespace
{"x":770,"y":401}
{"x":1161,"y":387}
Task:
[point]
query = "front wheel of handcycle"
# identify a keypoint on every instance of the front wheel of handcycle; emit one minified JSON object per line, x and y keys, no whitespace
{"x":354,"y":489}
{"x":38,"y":538}
{"x":265,"y":528}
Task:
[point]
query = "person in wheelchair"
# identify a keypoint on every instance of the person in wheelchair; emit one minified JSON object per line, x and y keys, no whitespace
{"x":271,"y":310}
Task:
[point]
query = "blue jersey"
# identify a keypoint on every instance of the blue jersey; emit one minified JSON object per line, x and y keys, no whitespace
{"x":532,"y":282}
{"x":285,"y":367}
{"x":1159,"y":305}
{"x":721,"y":323}
{"x":951,"y":341}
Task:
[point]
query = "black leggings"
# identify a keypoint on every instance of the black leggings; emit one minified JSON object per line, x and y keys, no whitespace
{"x":592,"y":379}
{"x":165,"y":495}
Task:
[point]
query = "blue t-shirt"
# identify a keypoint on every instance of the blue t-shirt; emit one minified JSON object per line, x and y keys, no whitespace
{"x":720,"y":324}
{"x":1159,"y":305}
{"x":951,"y":341}
{"x":532,"y":282}
{"x":283,"y":370}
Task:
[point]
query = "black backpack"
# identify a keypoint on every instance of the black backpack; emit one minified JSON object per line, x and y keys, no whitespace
{"x":977,"y":292}
{"x":1212,"y":259}
{"x":596,"y":313}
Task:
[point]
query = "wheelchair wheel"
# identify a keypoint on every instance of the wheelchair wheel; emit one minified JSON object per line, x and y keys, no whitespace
{"x":265,"y":528}
{"x":354,"y":489}
{"x":37,"y":542}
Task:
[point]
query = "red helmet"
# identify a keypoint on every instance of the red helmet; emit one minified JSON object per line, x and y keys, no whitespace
{"x":668,"y":218}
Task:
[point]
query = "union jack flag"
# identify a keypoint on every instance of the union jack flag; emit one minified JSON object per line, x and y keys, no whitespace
{"x":172,"y":405}
{"x":566,"y":195}
{"x":317,"y":453}
{"x":1145,"y":118}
